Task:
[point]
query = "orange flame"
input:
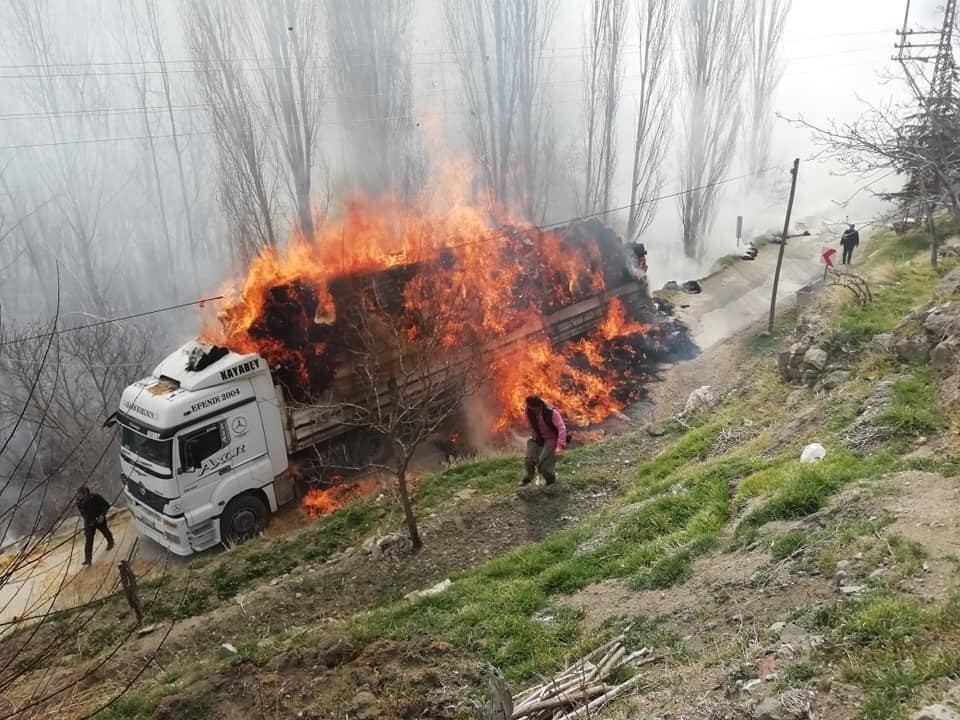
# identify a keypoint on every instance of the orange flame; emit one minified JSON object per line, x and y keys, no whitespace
{"x":504,"y":280}
{"x":342,"y":493}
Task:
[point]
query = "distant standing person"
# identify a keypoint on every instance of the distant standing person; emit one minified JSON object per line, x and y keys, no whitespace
{"x":849,"y":240}
{"x":93,"y":509}
{"x":549,"y":435}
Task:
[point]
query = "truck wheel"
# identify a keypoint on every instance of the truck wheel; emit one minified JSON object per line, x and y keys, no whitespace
{"x":373,"y":448}
{"x":243,"y":518}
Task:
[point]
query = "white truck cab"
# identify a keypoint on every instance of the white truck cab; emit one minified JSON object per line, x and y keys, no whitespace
{"x":203,"y":457}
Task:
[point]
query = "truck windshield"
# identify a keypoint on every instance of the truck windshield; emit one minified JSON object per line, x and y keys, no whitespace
{"x":155,"y":452}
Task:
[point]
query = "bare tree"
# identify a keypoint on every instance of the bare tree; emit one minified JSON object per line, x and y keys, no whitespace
{"x":70,"y":396}
{"x":413,"y":370}
{"x":603,"y":74}
{"x":654,"y":18}
{"x":75,"y":182}
{"x":889,"y":138}
{"x":247,"y":191}
{"x":713,"y":65}
{"x":500,"y":46}
{"x":370,"y":44}
{"x":292,"y":86}
{"x":150,"y":20}
{"x":765,"y":28}
{"x":39,"y":534}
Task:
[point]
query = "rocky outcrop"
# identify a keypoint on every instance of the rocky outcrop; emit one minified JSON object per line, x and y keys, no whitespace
{"x":929,"y":334}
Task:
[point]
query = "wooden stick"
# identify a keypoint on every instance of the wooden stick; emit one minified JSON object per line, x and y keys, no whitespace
{"x":560,"y":700}
{"x":612,"y":663}
{"x":607,"y":697}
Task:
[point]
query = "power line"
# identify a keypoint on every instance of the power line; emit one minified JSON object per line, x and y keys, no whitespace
{"x":108,"y":321}
{"x":562,"y":52}
{"x":338,"y":123}
{"x":484,"y":239}
{"x":143,"y":71}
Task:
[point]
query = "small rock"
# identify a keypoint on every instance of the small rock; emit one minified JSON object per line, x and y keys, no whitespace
{"x":702,"y":398}
{"x":913,"y":348}
{"x":843,"y":564}
{"x":878,"y":573}
{"x":950,"y":284}
{"x":851,"y":590}
{"x":840,"y":578}
{"x":836,"y":378}
{"x":364,"y":706}
{"x":227,"y":650}
{"x":953,"y":695}
{"x":777,"y":628}
{"x":936,"y":712}
{"x":751,"y":684}
{"x":795,"y":398}
{"x":816,"y":358}
{"x":334,"y":651}
{"x":435,"y":590}
{"x":656,"y":430}
{"x":789,"y":705}
{"x":883,"y":343}
{"x":944,"y":356}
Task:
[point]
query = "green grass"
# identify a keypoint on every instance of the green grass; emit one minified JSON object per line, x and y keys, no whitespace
{"x":914,"y":411}
{"x":134,"y":705}
{"x":889,"y":247}
{"x":674,"y":514}
{"x":762,"y":341}
{"x":800,"y":490}
{"x":490,"y":475}
{"x":892,"y":646}
{"x":788,"y":543}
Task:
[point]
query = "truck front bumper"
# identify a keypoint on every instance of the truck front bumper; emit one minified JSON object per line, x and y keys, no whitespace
{"x":168,"y":532}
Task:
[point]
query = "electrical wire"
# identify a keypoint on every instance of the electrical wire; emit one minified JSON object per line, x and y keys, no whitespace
{"x":108,"y":321}
{"x":484,"y":239}
{"x":569,"y":51}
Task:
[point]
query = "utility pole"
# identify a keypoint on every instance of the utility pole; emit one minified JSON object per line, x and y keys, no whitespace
{"x":938,"y":102}
{"x":783,"y":243}
{"x":928,"y":220}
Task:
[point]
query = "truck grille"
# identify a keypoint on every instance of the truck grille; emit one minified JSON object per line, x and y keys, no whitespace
{"x":147,"y":497}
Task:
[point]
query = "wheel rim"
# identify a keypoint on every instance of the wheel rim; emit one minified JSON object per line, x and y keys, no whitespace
{"x":244,"y":523}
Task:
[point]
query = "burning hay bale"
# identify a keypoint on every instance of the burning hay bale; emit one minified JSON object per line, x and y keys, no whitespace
{"x":514,"y":289}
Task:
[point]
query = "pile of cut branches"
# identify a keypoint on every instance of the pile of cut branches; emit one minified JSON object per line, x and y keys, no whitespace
{"x":584,"y":687}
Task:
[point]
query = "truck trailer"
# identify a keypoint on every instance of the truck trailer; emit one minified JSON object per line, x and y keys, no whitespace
{"x":207,"y":438}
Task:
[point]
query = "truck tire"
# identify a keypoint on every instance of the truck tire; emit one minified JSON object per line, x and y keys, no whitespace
{"x":243,"y":518}
{"x":373,"y":448}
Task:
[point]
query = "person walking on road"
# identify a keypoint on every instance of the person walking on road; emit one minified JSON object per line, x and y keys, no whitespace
{"x":849,"y":240}
{"x":93,"y":509}
{"x":549,"y":436}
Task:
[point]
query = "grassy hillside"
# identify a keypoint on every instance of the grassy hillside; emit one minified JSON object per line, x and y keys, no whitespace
{"x":699,"y":544}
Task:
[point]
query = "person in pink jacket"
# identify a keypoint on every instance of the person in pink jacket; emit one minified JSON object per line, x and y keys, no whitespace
{"x":549,"y":436}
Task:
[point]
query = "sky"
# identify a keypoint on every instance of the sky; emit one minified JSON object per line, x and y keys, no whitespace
{"x":835,"y":52}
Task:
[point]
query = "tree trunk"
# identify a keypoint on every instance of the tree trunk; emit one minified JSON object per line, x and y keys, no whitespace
{"x":408,"y":508}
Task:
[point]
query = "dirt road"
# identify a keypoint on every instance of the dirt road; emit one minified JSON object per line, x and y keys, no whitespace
{"x":740,"y":295}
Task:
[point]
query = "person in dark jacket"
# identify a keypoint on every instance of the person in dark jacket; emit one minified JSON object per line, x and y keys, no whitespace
{"x":849,"y":240}
{"x":93,"y":509}
{"x":549,"y":436}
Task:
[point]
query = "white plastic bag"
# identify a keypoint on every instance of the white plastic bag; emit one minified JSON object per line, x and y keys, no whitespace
{"x":814,"y":452}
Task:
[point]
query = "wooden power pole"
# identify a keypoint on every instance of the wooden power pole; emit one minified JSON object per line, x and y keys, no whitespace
{"x":783,"y":243}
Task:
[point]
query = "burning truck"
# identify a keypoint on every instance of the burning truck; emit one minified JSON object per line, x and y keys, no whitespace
{"x":207,"y":438}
